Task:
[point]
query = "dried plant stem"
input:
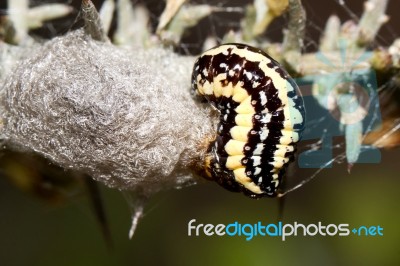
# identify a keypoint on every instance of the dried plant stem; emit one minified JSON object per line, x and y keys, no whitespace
{"x":93,"y":24}
{"x":294,"y":35}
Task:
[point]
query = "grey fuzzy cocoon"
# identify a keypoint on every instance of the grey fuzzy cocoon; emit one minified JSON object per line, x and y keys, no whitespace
{"x":123,"y":116}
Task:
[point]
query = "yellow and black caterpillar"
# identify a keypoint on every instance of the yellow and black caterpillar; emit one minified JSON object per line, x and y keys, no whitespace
{"x":261,"y":117}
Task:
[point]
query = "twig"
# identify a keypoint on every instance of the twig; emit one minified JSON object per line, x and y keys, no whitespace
{"x":294,"y":35}
{"x":93,"y":24}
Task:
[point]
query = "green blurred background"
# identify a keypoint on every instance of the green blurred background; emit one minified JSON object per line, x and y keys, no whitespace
{"x":33,"y":232}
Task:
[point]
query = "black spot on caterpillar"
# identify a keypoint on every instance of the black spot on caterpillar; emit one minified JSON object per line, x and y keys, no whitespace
{"x":261,"y":118}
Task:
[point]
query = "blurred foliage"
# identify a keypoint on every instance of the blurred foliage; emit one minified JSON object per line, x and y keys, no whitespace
{"x":38,"y":177}
{"x":32,"y":233}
